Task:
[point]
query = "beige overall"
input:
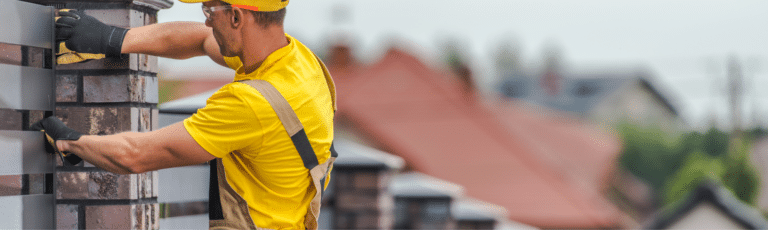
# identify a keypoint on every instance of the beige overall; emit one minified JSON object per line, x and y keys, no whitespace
{"x":227,"y":209}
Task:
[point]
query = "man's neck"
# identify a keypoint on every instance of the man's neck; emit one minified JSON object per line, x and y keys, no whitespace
{"x":258,"y":44}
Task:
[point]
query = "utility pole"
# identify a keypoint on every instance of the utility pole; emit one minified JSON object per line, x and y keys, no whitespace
{"x":712,"y":67}
{"x":735,"y":83}
{"x":752,"y":68}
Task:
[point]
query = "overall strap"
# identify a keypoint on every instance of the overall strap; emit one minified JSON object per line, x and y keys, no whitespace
{"x":289,"y":119}
{"x":295,"y":130}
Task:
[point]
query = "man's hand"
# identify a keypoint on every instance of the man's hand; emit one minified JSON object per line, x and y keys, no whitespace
{"x":55,"y":130}
{"x":85,"y":34}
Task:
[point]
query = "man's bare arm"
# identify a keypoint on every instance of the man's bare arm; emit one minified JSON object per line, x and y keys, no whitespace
{"x":132,"y":152}
{"x":177,"y":40}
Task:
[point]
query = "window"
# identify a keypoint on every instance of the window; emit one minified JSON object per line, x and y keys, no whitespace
{"x":586,"y":89}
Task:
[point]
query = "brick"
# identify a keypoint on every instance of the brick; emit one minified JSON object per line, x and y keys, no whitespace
{"x":111,"y":217}
{"x":10,"y":185}
{"x":143,"y":62}
{"x":385,"y":177}
{"x":11,"y":119}
{"x":138,"y":62}
{"x":120,"y":88}
{"x":116,"y":88}
{"x":367,"y":220}
{"x":135,"y":114}
{"x":140,"y":217}
{"x":150,"y":90}
{"x":155,"y":183}
{"x":36,"y":57}
{"x":341,"y":179}
{"x":150,"y":64}
{"x":121,"y":62}
{"x":34,"y":116}
{"x":475,"y":224}
{"x":107,"y":185}
{"x":137,"y":18}
{"x":66,"y":88}
{"x":10,"y":54}
{"x":37,"y":183}
{"x":135,"y":61}
{"x":112,"y":17}
{"x":71,"y":185}
{"x":386,"y":220}
{"x":145,"y":120}
{"x":155,"y":216}
{"x":146,"y":185}
{"x":66,"y":216}
{"x":386,"y":202}
{"x":152,"y":215}
{"x":139,"y":185}
{"x":96,"y":120}
{"x":150,"y":19}
{"x":155,"y":119}
{"x":126,"y":18}
{"x":343,"y":220}
{"x":59,"y":163}
{"x":366,"y":180}
{"x":147,"y":216}
{"x":352,"y":200}
{"x":145,"y":220}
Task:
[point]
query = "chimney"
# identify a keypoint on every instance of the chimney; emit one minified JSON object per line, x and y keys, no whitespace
{"x":340,"y":56}
{"x":465,"y":76}
{"x":107,"y":96}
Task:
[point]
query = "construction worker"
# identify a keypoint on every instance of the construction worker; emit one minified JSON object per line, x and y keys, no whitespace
{"x":268,"y":134}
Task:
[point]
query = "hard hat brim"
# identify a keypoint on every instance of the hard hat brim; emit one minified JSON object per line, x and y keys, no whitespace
{"x":194,"y":1}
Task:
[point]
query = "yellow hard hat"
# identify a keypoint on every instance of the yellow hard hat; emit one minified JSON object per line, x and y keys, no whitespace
{"x":255,"y":5}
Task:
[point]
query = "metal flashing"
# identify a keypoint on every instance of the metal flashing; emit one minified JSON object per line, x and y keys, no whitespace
{"x":26,"y":24}
{"x":24,"y":153}
{"x":26,"y":88}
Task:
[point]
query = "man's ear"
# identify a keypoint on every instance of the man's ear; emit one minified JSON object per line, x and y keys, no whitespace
{"x":236,"y":20}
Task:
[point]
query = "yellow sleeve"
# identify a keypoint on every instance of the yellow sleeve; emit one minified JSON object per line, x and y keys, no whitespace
{"x":226,"y":123}
{"x":233,"y":62}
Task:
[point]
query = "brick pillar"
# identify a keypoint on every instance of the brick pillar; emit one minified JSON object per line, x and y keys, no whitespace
{"x":423,"y":202}
{"x":108,"y":96}
{"x":359,"y":198}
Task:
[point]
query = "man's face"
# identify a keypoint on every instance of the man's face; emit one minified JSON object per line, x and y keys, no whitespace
{"x":219,"y":21}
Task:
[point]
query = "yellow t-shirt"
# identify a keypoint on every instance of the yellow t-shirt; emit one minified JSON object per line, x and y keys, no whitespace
{"x":272,"y":178}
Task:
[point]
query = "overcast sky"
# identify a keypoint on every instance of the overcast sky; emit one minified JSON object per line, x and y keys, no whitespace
{"x":686,"y":43}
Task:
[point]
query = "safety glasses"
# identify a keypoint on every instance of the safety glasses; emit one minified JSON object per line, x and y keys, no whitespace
{"x":209,"y":10}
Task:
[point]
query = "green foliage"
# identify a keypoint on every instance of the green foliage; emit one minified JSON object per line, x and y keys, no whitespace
{"x":650,"y":155}
{"x":740,"y":175}
{"x":697,"y":168}
{"x":716,"y":142}
{"x":755,"y":133}
{"x":672,"y":166}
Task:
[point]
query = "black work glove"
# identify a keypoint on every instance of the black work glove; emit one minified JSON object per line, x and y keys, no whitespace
{"x":55,"y":130}
{"x":85,"y":34}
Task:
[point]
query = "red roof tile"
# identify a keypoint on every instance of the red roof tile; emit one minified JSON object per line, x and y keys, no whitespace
{"x":548,"y":172}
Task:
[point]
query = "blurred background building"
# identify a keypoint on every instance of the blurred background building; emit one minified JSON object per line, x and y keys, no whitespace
{"x":532,"y":114}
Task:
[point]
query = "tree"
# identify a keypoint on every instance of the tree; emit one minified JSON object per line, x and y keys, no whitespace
{"x":740,"y":176}
{"x":716,"y":142}
{"x":697,"y":168}
{"x":651,"y":154}
{"x":673,"y":167}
